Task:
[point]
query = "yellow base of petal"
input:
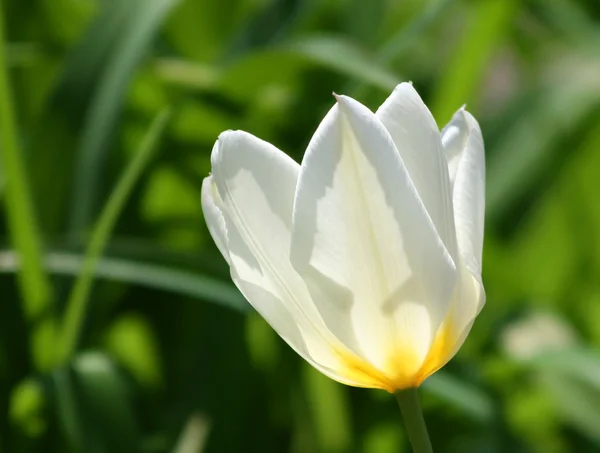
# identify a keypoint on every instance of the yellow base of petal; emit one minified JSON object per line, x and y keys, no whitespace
{"x":404,"y":369}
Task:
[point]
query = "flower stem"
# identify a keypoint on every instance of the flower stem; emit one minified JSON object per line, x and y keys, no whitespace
{"x":408,"y":400}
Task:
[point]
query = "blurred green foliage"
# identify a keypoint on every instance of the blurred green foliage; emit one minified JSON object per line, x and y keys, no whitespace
{"x":161,"y":353}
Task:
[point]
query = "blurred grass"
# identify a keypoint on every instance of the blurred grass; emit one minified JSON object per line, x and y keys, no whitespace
{"x":35,"y":285}
{"x":169,"y":357}
{"x":75,"y":312}
{"x":140,"y":21}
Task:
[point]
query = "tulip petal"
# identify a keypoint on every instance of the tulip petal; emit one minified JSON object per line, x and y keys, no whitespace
{"x":454,"y":137}
{"x":417,"y":138}
{"x":464,"y":311}
{"x":214,"y":217}
{"x":469,"y":210}
{"x":255,"y":185}
{"x":463,"y":144}
{"x":466,"y":304}
{"x":365,"y":244}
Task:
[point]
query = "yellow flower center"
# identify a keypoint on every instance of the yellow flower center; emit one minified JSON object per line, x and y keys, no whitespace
{"x":404,"y":369}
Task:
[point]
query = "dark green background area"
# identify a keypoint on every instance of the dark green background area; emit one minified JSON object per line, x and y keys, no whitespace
{"x":170,"y":357}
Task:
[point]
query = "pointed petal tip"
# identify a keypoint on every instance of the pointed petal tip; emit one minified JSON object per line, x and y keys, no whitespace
{"x":462,"y":115}
{"x":340,"y":98}
{"x":344,"y":103}
{"x":470,"y":120}
{"x":407,"y":91}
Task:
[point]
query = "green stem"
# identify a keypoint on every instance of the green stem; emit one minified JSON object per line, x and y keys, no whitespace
{"x":78,"y":300}
{"x":34,"y":284}
{"x":408,"y":400}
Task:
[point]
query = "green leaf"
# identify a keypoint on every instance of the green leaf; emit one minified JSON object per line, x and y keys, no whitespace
{"x":194,"y":436}
{"x":518,"y":157}
{"x":578,"y":404}
{"x":466,"y":397}
{"x":271,"y":23}
{"x":329,"y":409}
{"x":343,"y":56}
{"x":34,"y":284}
{"x":76,"y":304}
{"x":94,"y":406}
{"x":488,"y":26}
{"x":573,"y":378}
{"x":57,"y":131}
{"x":67,"y":18}
{"x":144,"y":17}
{"x":163,"y":186}
{"x":132,"y":341}
{"x":364,"y":19}
{"x":384,"y":438}
{"x":199,"y":30}
{"x":42,"y":343}
{"x":582,"y":364}
{"x":246,"y":76}
{"x":573,"y":21}
{"x":150,"y":275}
{"x":27,"y":407}
{"x":555,"y":268}
{"x":394,"y":47}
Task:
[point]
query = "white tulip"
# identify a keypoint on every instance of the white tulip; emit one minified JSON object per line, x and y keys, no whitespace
{"x":366,"y":258}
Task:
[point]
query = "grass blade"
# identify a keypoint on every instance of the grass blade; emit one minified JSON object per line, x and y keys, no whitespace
{"x":141,"y":26}
{"x":77,"y":302}
{"x":489,"y":25}
{"x":468,"y":398}
{"x":400,"y":41}
{"x":136,"y":272}
{"x":342,"y":55}
{"x":94,"y":405}
{"x":34,"y":283}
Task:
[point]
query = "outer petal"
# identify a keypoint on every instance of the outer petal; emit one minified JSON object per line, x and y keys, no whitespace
{"x":469,"y":211}
{"x":214,"y":217}
{"x":365,"y":245}
{"x":417,"y":138}
{"x":463,"y":144}
{"x":466,"y":304}
{"x":255,"y":185}
{"x":454,"y":138}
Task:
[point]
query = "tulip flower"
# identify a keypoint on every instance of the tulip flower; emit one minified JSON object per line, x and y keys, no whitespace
{"x":366,"y":257}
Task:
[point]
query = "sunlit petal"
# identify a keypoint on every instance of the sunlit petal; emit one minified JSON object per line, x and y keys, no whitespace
{"x":417,"y":138}
{"x":364,"y":243}
{"x":255,"y":191}
{"x":463,"y":145}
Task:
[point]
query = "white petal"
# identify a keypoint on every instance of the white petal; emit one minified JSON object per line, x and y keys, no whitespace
{"x":417,"y":138}
{"x":364,"y":242}
{"x":468,"y":299}
{"x":256,"y":183}
{"x":465,"y":310}
{"x":454,"y":137}
{"x":464,"y":147}
{"x":213,"y":215}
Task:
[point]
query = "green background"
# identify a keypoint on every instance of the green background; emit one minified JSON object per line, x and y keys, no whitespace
{"x":108,"y":113}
